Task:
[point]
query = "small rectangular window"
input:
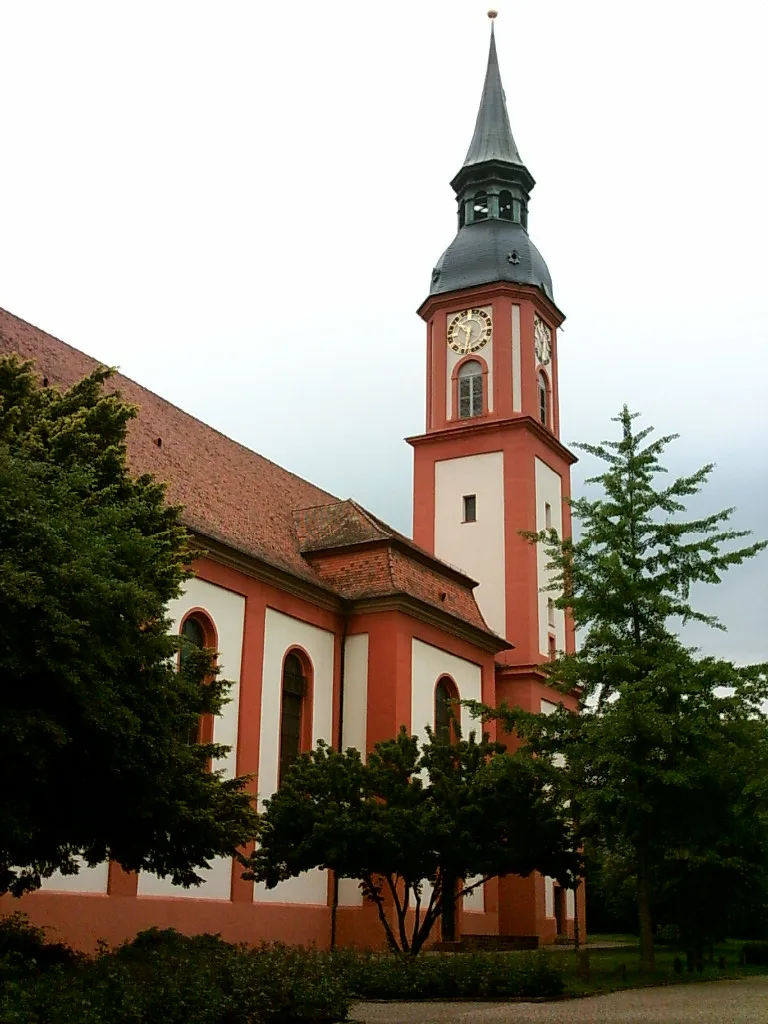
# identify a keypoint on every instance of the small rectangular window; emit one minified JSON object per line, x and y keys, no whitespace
{"x":470,"y":508}
{"x":548,"y":516}
{"x":551,"y":611}
{"x":552,"y":647}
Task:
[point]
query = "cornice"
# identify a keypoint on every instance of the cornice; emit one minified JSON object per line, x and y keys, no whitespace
{"x":408,"y":605}
{"x":479,"y":293}
{"x":484,"y":425}
{"x":267,"y":573}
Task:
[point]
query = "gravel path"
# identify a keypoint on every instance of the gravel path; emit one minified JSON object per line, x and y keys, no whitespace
{"x":714,"y":1002}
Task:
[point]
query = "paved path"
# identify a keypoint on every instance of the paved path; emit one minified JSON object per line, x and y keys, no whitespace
{"x":714,"y":1002}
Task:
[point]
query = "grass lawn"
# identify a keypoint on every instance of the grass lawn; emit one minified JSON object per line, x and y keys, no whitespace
{"x":611,"y":970}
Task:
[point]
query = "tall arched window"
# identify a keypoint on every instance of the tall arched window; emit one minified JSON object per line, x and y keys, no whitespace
{"x":292,"y":712}
{"x":194,"y":632}
{"x":480,"y":206}
{"x":197,"y":631}
{"x":470,"y":390}
{"x":505,"y":205}
{"x":543,"y":399}
{"x":445,"y":695}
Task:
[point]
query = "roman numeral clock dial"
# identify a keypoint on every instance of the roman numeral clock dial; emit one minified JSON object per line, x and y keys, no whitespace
{"x":469,"y":330}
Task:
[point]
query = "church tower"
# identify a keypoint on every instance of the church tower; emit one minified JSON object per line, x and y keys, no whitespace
{"x":491,"y":463}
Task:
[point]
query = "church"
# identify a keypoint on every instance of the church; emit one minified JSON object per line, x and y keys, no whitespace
{"x":334,"y":626}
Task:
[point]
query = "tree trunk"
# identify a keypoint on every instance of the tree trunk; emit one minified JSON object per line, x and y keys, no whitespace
{"x":647,"y":961}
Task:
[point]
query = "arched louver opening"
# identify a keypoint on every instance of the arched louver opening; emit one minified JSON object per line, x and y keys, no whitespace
{"x":480,"y":206}
{"x":505,"y":205}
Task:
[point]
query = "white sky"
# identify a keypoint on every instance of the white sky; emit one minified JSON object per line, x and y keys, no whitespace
{"x":240,"y":204}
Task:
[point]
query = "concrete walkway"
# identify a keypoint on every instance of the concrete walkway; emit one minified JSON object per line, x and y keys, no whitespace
{"x":714,"y":1002}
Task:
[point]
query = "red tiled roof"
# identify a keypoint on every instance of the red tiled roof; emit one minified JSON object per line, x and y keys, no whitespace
{"x":383,"y":568}
{"x":235,"y":496}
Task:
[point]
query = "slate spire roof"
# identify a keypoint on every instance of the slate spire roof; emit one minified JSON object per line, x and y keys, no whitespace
{"x":493,"y":138}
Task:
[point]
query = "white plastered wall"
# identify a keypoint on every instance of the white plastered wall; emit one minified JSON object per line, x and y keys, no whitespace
{"x":281,"y":633}
{"x":486,"y":353}
{"x":428,"y":664}
{"x":548,"y":492}
{"x":226,"y":610}
{"x":475,"y":548}
{"x":517,"y":362}
{"x":354,"y":729}
{"x":91,"y":880}
{"x":548,"y":707}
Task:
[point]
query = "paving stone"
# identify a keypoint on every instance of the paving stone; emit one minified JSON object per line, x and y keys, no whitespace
{"x":714,"y":1002}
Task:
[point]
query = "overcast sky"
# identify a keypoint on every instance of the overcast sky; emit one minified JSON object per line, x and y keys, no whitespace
{"x":240,"y":204}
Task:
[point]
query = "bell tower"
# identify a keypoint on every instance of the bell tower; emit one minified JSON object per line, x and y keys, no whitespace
{"x":490,"y":463}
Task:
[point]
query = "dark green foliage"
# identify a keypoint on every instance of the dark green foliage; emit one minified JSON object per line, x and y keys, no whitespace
{"x":24,"y":949}
{"x":668,"y":762}
{"x":165,"y":976}
{"x":413,"y":814}
{"x":95,"y":715}
{"x":756,"y":954}
{"x":452,"y":975}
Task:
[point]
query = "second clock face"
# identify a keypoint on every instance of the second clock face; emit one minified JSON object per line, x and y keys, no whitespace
{"x":469,"y":331}
{"x":543,"y":341}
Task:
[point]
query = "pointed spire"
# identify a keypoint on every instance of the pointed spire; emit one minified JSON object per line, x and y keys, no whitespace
{"x":493,"y":136}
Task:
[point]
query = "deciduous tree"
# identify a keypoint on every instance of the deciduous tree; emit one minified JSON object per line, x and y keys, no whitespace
{"x":411,"y":817}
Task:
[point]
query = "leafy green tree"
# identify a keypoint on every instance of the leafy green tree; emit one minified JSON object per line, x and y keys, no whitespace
{"x":95,"y":717}
{"x":439,"y":813}
{"x":656,"y":747}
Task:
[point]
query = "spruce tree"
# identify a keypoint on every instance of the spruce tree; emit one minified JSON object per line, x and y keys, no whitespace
{"x":658,"y":736}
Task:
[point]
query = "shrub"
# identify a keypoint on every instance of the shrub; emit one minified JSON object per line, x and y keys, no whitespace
{"x":23,"y":948}
{"x":450,"y":976}
{"x":756,"y":953}
{"x":165,"y":976}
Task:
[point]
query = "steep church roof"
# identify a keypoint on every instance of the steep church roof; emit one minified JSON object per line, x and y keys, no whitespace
{"x":493,"y":190}
{"x":238,"y":498}
{"x":493,"y":138}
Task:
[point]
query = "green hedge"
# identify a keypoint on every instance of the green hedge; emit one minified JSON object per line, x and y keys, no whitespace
{"x":169,"y":978}
{"x":164,"y":977}
{"x":451,"y":975}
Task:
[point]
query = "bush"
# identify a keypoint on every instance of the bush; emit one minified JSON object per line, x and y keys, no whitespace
{"x":756,"y":954}
{"x":23,"y":948}
{"x":451,"y":975}
{"x":165,"y":976}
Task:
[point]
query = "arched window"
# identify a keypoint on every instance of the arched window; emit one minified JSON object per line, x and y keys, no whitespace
{"x":543,"y":399}
{"x":480,"y":206}
{"x":505,"y":205}
{"x":470,"y":390}
{"x":292,"y":712}
{"x":461,"y":214}
{"x":445,"y":695}
{"x":194,"y":632}
{"x":197,"y":631}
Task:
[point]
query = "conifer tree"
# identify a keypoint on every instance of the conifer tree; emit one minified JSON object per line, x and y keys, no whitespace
{"x":658,"y":744}
{"x":95,"y":724}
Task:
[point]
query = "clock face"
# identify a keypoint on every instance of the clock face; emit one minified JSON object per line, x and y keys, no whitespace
{"x":542,"y":336}
{"x":469,"y":331}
